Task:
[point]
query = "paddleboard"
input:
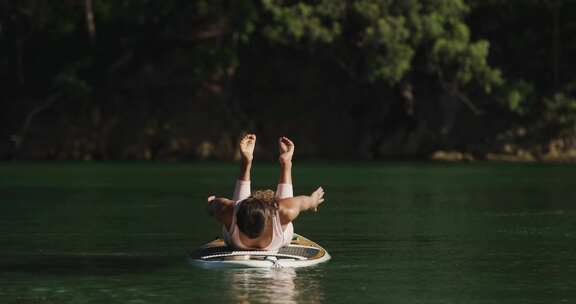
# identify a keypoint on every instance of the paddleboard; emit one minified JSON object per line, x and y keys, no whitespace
{"x":301,"y":252}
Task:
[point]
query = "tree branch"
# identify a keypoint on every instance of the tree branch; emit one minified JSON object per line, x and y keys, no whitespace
{"x":91,"y":26}
{"x":19,"y":137}
{"x":453,"y":90}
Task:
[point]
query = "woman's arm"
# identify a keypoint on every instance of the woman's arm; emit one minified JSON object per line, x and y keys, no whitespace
{"x":222,"y":209}
{"x":290,"y":208}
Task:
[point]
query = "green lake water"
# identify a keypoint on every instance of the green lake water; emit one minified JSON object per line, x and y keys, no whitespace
{"x":397,"y":233}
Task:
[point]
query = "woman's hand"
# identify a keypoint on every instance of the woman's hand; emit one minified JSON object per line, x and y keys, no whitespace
{"x":317,"y":198}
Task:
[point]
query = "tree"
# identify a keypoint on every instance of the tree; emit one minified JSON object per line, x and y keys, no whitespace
{"x":394,"y":38}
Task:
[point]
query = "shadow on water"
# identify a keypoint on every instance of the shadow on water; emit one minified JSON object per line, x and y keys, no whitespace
{"x":284,"y":285}
{"x":83,"y":264}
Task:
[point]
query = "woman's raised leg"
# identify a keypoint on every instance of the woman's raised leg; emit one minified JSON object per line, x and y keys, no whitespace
{"x":242,"y":188}
{"x":285,"y":188}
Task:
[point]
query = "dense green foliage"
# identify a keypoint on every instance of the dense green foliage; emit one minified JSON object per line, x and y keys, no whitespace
{"x":180,"y":79}
{"x":388,"y":35}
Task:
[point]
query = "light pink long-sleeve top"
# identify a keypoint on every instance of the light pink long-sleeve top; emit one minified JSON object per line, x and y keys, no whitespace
{"x":281,"y":236}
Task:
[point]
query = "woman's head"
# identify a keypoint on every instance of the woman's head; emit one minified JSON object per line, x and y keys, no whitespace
{"x":254,"y":213}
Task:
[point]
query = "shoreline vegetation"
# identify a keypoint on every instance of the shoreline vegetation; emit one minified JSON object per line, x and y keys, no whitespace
{"x":449,"y":80}
{"x":520,"y":156}
{"x":555,"y":151}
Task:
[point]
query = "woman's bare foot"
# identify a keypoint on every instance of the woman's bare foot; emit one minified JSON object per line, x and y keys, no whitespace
{"x":247,"y":145}
{"x":286,"y":150}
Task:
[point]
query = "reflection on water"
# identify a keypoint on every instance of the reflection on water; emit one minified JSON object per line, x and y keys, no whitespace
{"x":280,"y":285}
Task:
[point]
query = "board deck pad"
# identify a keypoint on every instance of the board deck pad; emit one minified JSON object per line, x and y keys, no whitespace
{"x":301,"y":252}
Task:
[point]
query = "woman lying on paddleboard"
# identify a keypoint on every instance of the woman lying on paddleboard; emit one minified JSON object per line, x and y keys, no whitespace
{"x":262,"y":220}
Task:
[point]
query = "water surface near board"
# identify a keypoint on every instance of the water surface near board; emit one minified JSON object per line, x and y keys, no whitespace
{"x":398,"y":233}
